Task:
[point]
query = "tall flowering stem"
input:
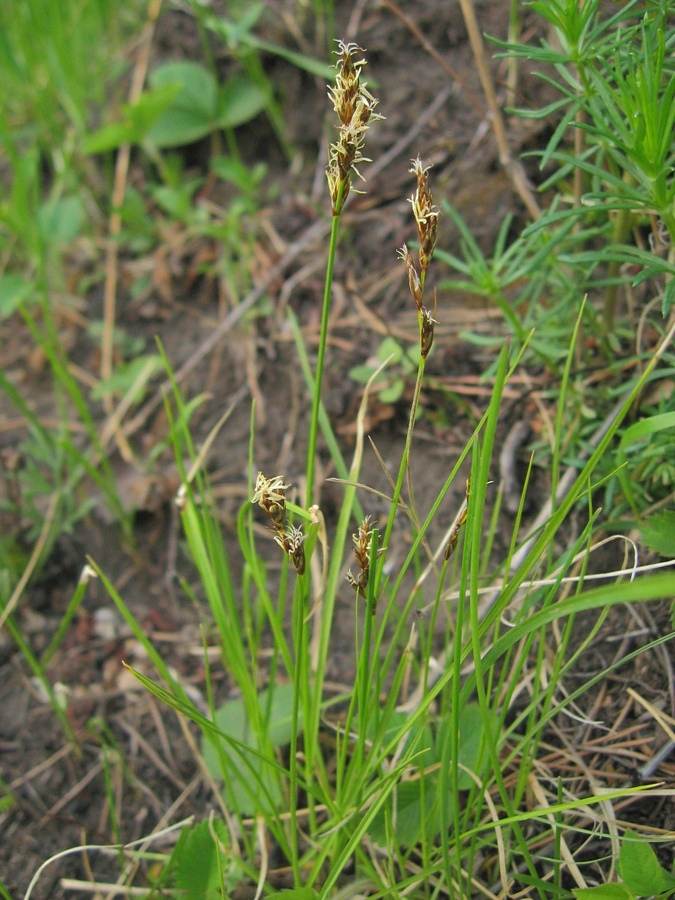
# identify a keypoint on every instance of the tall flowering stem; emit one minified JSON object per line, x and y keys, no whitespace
{"x":355,"y":107}
{"x":426,"y":220}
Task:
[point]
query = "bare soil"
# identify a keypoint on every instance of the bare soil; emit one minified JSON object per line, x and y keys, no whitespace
{"x":60,"y":798}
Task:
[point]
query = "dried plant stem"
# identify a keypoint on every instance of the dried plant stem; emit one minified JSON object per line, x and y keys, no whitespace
{"x":115,"y":225}
{"x":474,"y":99}
{"x":511,"y":166}
{"x":512,"y":70}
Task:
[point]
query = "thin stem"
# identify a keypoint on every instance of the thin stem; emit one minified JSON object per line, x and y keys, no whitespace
{"x":405,"y":462}
{"x":299,"y":671}
{"x":320,"y":361}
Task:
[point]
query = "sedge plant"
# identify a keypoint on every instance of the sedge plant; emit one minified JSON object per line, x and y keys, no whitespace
{"x":412,"y":778}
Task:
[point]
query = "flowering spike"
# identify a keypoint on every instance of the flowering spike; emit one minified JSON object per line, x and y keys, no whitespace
{"x":291,"y":542}
{"x":426,"y":214}
{"x":355,"y":107}
{"x":427,"y":324}
{"x":459,"y":521}
{"x":413,"y":277}
{"x":362,"y":540}
{"x":270,"y":495}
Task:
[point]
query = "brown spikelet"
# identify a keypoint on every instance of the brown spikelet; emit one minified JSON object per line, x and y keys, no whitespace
{"x":362,"y":540}
{"x":459,"y":521}
{"x":426,"y":214}
{"x":413,"y":276}
{"x":291,"y":542}
{"x":355,"y":107}
{"x":270,"y":495}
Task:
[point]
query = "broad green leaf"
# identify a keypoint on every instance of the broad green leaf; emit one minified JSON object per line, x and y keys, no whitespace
{"x":247,"y":178}
{"x":406,"y":800}
{"x":14,"y":290}
{"x":197,"y":868}
{"x":392,"y":393}
{"x":390,"y":348}
{"x":239,"y":101}
{"x":60,"y":220}
{"x":362,"y":374}
{"x":472,"y":747}
{"x":177,"y":201}
{"x":233,"y":719}
{"x":639,"y":868}
{"x":137,"y":120}
{"x":404,"y":808}
{"x":193,"y":112}
{"x":658,"y":533}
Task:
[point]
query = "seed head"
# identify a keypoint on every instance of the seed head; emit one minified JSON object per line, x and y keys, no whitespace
{"x":427,"y":324}
{"x":413,"y":277}
{"x":426,"y":214}
{"x":270,"y":495}
{"x":347,"y":88}
{"x":460,"y":519}
{"x":355,"y":107}
{"x":291,"y":542}
{"x":361,"y":548}
{"x":361,"y":540}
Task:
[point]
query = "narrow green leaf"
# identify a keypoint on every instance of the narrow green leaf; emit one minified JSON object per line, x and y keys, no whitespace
{"x":139,"y":370}
{"x":604,"y":892}
{"x":304,"y":893}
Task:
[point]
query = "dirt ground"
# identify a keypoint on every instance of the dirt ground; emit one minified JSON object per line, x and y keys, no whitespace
{"x":60,"y":794}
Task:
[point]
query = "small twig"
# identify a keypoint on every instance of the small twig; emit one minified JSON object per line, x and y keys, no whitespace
{"x":507,"y":465}
{"x":115,"y":224}
{"x":659,"y":757}
{"x":473,"y":98}
{"x":33,"y":561}
{"x":511,"y":166}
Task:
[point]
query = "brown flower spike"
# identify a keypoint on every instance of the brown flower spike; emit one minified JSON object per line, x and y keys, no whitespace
{"x":354,"y":106}
{"x":426,"y":214}
{"x":460,"y":519}
{"x":291,"y":542}
{"x":362,"y":540}
{"x":426,"y":219}
{"x":270,"y":495}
